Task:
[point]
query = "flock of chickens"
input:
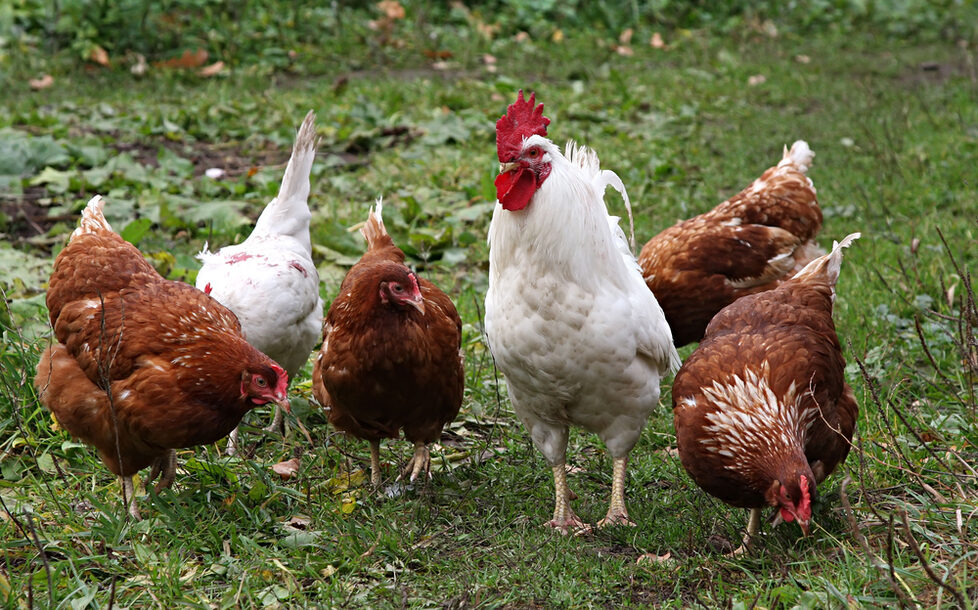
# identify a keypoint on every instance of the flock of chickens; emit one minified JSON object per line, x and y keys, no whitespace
{"x":582,"y":331}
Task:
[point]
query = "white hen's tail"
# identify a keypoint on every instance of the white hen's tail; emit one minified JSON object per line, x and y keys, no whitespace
{"x":92,"y":220}
{"x":288,"y":213}
{"x":800,"y":155}
{"x":827,"y":267}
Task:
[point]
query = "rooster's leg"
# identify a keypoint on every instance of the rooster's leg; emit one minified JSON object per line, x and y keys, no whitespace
{"x":129,"y":496}
{"x":375,"y":463}
{"x":232,"y":447}
{"x":167,"y":465}
{"x":278,"y":423}
{"x":753,"y":525}
{"x":617,"y":513}
{"x":565,"y":520}
{"x":420,"y":461}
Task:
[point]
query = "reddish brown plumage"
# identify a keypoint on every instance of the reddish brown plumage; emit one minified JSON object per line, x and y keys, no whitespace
{"x":386,"y":366}
{"x":747,"y":244}
{"x":179,"y":370}
{"x":762,"y":402}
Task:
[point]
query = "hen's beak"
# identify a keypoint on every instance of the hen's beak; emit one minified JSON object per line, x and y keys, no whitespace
{"x":805,"y":525}
{"x":417,"y":302}
{"x":508,"y":167}
{"x":283,"y":402}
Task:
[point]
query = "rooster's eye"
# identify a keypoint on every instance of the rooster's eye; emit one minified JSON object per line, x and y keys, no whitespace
{"x":260,"y":382}
{"x":533,"y":153}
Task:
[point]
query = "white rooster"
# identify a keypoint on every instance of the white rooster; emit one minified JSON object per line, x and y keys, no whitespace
{"x":571,"y":324}
{"x":269,"y":280}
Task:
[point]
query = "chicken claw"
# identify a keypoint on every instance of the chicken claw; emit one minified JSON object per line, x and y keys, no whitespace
{"x":617,"y":513}
{"x":420,"y":461}
{"x":753,"y":525}
{"x":565,"y":521}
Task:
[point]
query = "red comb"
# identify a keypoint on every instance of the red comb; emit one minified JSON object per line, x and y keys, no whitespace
{"x":521,"y":121}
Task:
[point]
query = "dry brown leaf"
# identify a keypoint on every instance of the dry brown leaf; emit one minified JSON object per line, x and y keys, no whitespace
{"x":624,"y":50}
{"x":44,"y":82}
{"x":186,"y":61}
{"x":803,"y":59}
{"x":653,"y":558}
{"x":287,"y":469}
{"x":299,"y":522}
{"x":391,"y":9}
{"x":139,"y":65}
{"x":757,"y":79}
{"x":211,"y":70}
{"x":99,"y":56}
{"x":437,"y":54}
{"x":522,"y":37}
{"x":626,"y":36}
{"x":557,"y":36}
{"x":656,"y":41}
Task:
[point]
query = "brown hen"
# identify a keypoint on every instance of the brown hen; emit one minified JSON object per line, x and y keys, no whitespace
{"x":143,"y":365}
{"x":762,"y":411}
{"x":747,"y":244}
{"x":391,"y":357}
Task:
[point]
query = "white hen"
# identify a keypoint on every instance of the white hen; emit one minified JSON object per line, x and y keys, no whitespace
{"x":576,"y":333}
{"x":269,"y":280}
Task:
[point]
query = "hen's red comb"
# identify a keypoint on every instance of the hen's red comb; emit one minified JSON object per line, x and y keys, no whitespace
{"x":521,"y":121}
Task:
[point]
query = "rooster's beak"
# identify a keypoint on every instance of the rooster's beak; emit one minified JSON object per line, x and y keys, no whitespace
{"x":804,"y":527}
{"x":508,"y":167}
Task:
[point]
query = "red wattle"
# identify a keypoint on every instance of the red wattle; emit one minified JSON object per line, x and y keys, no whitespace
{"x":515,"y":188}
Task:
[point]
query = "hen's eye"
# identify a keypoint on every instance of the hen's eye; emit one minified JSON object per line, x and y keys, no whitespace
{"x":397,"y":288}
{"x":260,"y":382}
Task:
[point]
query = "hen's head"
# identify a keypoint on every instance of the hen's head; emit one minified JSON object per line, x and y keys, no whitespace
{"x":794,"y":500}
{"x":525,"y":159}
{"x":398,"y":287}
{"x":265,"y":383}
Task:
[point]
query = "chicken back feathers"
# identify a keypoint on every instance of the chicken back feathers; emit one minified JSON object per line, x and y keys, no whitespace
{"x":146,"y":362}
{"x":747,"y":244}
{"x":761,"y":407}
{"x":269,"y":280}
{"x":390,"y":358}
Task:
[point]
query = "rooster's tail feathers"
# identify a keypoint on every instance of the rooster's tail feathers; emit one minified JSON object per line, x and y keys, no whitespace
{"x":829,"y":265}
{"x":373,"y":230}
{"x":800,"y":155}
{"x":92,"y":220}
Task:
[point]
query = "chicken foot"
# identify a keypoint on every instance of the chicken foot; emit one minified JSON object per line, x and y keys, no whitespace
{"x":753,"y":525}
{"x":232,"y":448}
{"x":420,"y":461}
{"x":277,"y":425}
{"x":617,"y":512}
{"x":164,"y":467}
{"x":565,"y":521}
{"x":375,"y":463}
{"x":129,"y":496}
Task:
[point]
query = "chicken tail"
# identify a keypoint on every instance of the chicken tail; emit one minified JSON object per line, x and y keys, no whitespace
{"x":288,"y":213}
{"x":374,"y":230}
{"x":827,"y":267}
{"x":92,"y":220}
{"x":800,"y":155}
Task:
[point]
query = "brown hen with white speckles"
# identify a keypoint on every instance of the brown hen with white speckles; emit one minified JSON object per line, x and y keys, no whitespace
{"x":761,"y":408}
{"x":143,"y":365}
{"x":747,"y":244}
{"x":390,"y":358}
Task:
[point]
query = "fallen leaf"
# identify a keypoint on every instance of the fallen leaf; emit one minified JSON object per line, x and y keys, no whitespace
{"x":439,"y":54}
{"x":186,"y":61}
{"x":211,"y":70}
{"x":521,"y":37}
{"x":803,"y":59}
{"x":139,"y":67}
{"x":626,"y":36}
{"x":624,"y":51}
{"x":391,"y":9}
{"x":214,"y":173}
{"x":287,"y":469}
{"x":656,"y":41}
{"x":41,"y":83}
{"x":99,"y":56}
{"x":558,"y":35}
{"x":299,"y":522}
{"x":757,"y":79}
{"x":488,"y":59}
{"x":653,"y":558}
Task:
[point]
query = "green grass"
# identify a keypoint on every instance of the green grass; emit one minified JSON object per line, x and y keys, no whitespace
{"x":895,"y":129}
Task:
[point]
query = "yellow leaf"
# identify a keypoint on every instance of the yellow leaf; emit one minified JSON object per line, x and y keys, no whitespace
{"x":99,"y":56}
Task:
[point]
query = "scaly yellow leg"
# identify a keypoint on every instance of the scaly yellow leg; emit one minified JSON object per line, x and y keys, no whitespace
{"x":617,"y":513}
{"x":565,"y":521}
{"x":375,"y":463}
{"x":420,"y":461}
{"x":753,"y":525}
